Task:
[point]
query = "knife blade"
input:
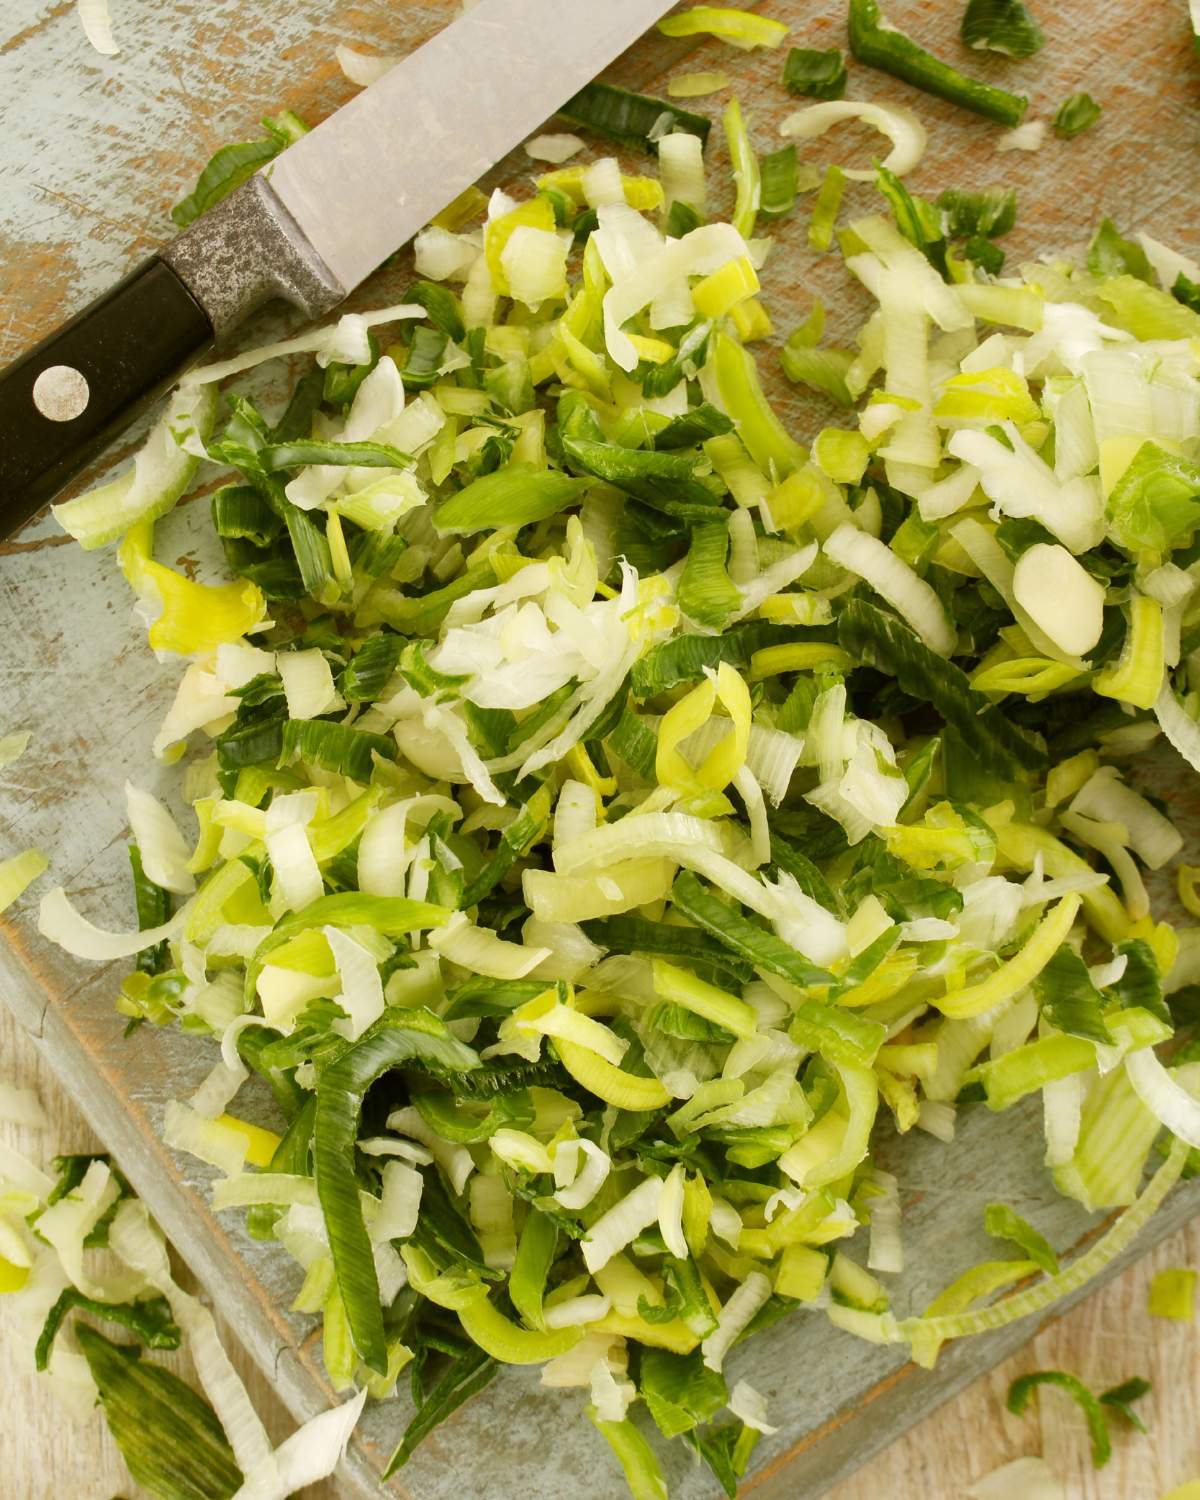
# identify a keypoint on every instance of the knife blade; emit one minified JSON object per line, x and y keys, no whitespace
{"x":308,"y":228}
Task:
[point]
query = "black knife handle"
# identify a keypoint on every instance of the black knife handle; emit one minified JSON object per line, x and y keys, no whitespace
{"x":62,"y":401}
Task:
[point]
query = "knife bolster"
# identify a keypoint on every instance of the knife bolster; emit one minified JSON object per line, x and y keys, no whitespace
{"x":246,"y":251}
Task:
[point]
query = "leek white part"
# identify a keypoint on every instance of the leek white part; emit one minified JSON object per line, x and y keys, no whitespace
{"x":13,"y":746}
{"x":1062,"y":1110}
{"x":892,"y":578}
{"x":886,"y":1251}
{"x":1152,"y":837}
{"x":553,"y":148}
{"x":307,"y":683}
{"x":21,"y":1107}
{"x":211,"y":1141}
{"x":900,"y":125}
{"x":1178,"y":725}
{"x":611,"y":1397}
{"x":575,"y":1311}
{"x":574,"y":1368}
{"x":200,"y":702}
{"x":1022,"y":485}
{"x":217,"y":1091}
{"x":164,"y":853}
{"x":1032,"y":1478}
{"x":297,"y":875}
{"x":161,"y":471}
{"x":480,"y":950}
{"x":1168,"y":264}
{"x":383,"y":1145}
{"x":62,"y":924}
{"x":535,"y":264}
{"x":21,"y":1173}
{"x":455,"y":1161}
{"x":698,"y":253}
{"x":750,"y":1407}
{"x":343,"y":342}
{"x":310,"y":1454}
{"x":734,"y":1318}
{"x":670,"y":1213}
{"x":400,"y":1202}
{"x":577,"y":1184}
{"x":66,"y":1224}
{"x":1165,"y":1098}
{"x":362,"y":989}
{"x":441,"y":255}
{"x":946,"y":496}
{"x":1061,"y":596}
{"x":132,"y":1237}
{"x":681,"y":169}
{"x":363,"y":68}
{"x":1026,"y":137}
{"x":238,"y":663}
{"x":282,"y":1189}
{"x":622,"y":1224}
{"x":937,"y":1119}
{"x":97,"y":26}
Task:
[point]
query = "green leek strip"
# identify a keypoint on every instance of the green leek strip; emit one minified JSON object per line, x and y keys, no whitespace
{"x":311,"y":548}
{"x":715,"y":1005}
{"x":240,"y":512}
{"x":1001,"y":1222}
{"x":822,"y":370}
{"x":301,"y":451}
{"x":1080,"y":1271}
{"x":232,"y":165}
{"x":628,"y":1091}
{"x":838,"y":1035}
{"x":150,"y":1320}
{"x":879,"y":45}
{"x":744,"y":163}
{"x":170,"y":1437}
{"x":688,"y":657}
{"x":507,"y":1341}
{"x":743,"y":937}
{"x":154,"y":907}
{"x":635,"y":1455}
{"x":885,"y":642}
{"x":628,"y":934}
{"x":779,"y":178}
{"x":768,"y":444}
{"x":1022,"y":1389}
{"x":370,"y":668}
{"x":392,"y":916}
{"x":516,"y":495}
{"x":1020,"y":970}
{"x":527,"y":829}
{"x":825,"y":209}
{"x":469,"y":1372}
{"x":1026,"y":1069}
{"x":393,"y":1040}
{"x":706,"y":593}
{"x":815,"y":74}
{"x":443,"y":307}
{"x":632,"y":119}
{"x":349,"y":752}
{"x":536,"y":1251}
{"x":1005,"y":27}
{"x":695,"y":426}
{"x":1075,"y":115}
{"x":422,"y":616}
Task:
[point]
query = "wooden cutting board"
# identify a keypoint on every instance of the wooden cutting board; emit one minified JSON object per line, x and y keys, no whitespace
{"x":92,"y":154}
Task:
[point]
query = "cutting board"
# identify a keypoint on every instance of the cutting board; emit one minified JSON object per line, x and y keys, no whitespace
{"x":92,"y":153}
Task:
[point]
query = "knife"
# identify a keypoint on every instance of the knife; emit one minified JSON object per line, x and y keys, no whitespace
{"x":307,"y":228}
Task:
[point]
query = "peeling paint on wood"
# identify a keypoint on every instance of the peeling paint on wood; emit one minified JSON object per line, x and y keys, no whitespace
{"x":93,"y":152}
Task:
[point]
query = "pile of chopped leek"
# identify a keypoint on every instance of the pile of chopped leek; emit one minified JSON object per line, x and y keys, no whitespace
{"x":609,"y":814}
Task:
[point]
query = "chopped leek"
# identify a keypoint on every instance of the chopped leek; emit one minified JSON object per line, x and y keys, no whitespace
{"x":818,"y":75}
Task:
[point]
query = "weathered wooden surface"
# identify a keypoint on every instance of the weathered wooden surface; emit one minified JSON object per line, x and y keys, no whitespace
{"x":91,"y":154}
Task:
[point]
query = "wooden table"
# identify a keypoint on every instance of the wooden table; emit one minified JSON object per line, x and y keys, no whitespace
{"x":1105,"y":1340}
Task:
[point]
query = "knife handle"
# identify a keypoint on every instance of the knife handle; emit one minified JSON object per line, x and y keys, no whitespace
{"x":62,"y":401}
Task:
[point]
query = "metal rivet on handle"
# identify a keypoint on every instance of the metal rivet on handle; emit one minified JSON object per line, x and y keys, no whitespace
{"x":61,"y":393}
